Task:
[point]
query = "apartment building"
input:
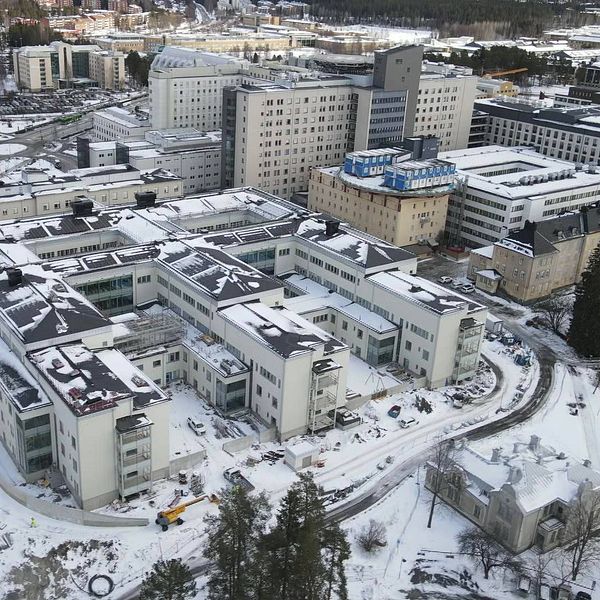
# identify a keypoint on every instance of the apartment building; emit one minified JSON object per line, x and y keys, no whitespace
{"x":570,"y":133}
{"x":62,"y":65}
{"x":116,"y":123}
{"x":445,"y":104}
{"x":107,"y":68}
{"x":186,"y":88}
{"x":365,"y":193}
{"x":494,"y":88}
{"x":31,"y":192}
{"x":502,"y":493}
{"x":498,"y":189}
{"x":190,"y":154}
{"x":274,"y":133}
{"x":532,"y":263}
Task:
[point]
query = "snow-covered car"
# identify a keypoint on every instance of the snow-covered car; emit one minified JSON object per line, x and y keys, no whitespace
{"x":456,"y":283}
{"x":394,"y":411}
{"x":445,"y":279}
{"x":467,"y":289}
{"x":197,"y":427}
{"x":406,"y":423}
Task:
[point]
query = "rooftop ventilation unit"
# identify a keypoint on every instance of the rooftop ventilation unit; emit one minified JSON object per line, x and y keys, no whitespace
{"x":15,"y":276}
{"x":145,"y":199}
{"x":82,"y":207}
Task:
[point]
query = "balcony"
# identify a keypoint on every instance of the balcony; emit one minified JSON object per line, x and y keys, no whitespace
{"x":136,"y":459}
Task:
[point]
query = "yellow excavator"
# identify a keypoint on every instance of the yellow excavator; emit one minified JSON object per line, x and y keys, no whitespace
{"x":172,"y":515}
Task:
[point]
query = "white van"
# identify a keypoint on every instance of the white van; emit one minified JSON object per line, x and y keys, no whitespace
{"x":405,"y":423}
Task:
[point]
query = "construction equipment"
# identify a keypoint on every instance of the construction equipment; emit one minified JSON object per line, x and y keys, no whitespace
{"x":172,"y":515}
{"x":493,"y":74}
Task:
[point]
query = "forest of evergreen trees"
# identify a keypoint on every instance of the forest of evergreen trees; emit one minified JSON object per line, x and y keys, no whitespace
{"x":510,"y":18}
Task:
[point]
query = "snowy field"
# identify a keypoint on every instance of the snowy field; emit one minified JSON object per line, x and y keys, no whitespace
{"x":8,"y":149}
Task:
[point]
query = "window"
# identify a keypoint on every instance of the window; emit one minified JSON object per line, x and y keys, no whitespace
{"x":408,"y":345}
{"x":258,"y":390}
{"x":173,"y":356}
{"x":144,"y":279}
{"x":345,"y":325}
{"x":75,"y":465}
{"x":73,"y":442}
{"x":156,"y":363}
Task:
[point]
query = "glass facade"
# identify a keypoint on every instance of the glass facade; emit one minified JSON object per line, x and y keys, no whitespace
{"x":81,"y":64}
{"x":380,"y":352}
{"x":264,"y":260}
{"x":34,"y":443}
{"x":231,"y":396}
{"x":111,"y":296}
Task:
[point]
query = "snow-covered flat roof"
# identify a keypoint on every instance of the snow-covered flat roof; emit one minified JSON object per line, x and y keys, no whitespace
{"x":90,"y":381}
{"x":282,"y":330}
{"x":42,"y":307}
{"x":318,"y":297}
{"x":23,"y":390}
{"x":416,"y":289}
{"x":522,"y":173}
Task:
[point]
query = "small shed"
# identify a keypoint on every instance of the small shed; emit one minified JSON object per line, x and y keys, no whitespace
{"x":301,"y":455}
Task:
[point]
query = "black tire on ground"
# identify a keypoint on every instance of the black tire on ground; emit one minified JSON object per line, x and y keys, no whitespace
{"x":179,"y":521}
{"x":165,"y":527}
{"x":96,"y":594}
{"x":156,"y":521}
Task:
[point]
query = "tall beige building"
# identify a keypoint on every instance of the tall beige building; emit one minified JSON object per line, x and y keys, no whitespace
{"x":401,"y":217}
{"x":275,"y":132}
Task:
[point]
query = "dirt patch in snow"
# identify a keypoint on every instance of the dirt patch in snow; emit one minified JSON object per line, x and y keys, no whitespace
{"x":54,"y":576}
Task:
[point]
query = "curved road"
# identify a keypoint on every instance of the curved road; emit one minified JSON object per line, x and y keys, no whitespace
{"x":546,"y":359}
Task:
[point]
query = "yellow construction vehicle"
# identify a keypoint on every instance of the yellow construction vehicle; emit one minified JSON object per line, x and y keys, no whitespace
{"x":171,"y":515}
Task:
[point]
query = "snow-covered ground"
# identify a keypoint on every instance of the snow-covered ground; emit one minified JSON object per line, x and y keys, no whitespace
{"x":8,"y":149}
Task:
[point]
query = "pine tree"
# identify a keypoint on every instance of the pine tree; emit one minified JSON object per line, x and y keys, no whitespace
{"x":233,"y":538}
{"x":168,"y":580}
{"x":293,"y":547}
{"x":337,"y":552}
{"x":584,"y":334}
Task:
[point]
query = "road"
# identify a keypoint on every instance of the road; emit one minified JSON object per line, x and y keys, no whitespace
{"x":417,"y":449}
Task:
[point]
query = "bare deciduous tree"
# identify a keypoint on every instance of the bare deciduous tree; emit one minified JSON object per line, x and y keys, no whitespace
{"x":372,"y":536}
{"x":441,"y":459}
{"x":554,"y":313}
{"x":484,"y":550}
{"x":583,"y":524}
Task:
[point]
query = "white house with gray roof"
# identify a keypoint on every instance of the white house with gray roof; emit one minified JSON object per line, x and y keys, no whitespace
{"x":522,"y":495}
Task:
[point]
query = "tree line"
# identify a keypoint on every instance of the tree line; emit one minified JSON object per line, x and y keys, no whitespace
{"x":513,"y":18}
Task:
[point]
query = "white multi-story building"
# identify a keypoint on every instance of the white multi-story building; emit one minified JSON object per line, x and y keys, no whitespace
{"x":569,"y":133}
{"x":62,"y":65}
{"x":116,"y":123}
{"x":498,"y":189}
{"x":445,"y":104}
{"x":186,"y":87}
{"x":208,"y":311}
{"x":32,"y":191}
{"x":107,"y":68}
{"x":188,"y":153}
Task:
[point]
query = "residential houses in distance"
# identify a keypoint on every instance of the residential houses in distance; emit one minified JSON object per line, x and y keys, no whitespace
{"x":521,"y":495}
{"x":544,"y":256}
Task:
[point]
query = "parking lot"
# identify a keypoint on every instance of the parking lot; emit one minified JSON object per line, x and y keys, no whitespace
{"x":60,"y":101}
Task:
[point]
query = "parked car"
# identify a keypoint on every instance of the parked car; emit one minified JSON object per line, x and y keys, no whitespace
{"x":467,"y":289}
{"x":583,"y":596}
{"x":196,"y":426}
{"x":406,"y":423}
{"x":456,"y":283}
{"x":394,"y":411}
{"x":445,"y":279}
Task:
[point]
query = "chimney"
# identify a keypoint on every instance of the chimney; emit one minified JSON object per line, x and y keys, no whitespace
{"x":514,"y":475}
{"x":331,"y":228}
{"x":496,"y":455}
{"x":534,"y":443}
{"x":15,"y":276}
